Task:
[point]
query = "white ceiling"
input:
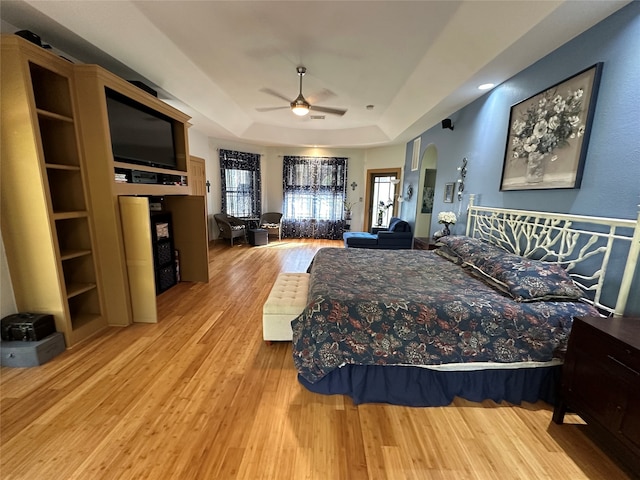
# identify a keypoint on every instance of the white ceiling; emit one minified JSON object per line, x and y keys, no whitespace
{"x":416,"y":62}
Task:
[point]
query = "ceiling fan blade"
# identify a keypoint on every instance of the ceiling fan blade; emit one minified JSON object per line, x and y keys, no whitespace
{"x":321,"y":96}
{"x":275,"y":94}
{"x":332,"y":111}
{"x":270,"y":109}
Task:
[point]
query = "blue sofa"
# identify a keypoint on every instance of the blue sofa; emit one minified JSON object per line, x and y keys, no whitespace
{"x":397,"y":236}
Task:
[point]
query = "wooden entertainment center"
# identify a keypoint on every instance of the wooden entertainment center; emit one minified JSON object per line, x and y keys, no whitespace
{"x":78,"y":243}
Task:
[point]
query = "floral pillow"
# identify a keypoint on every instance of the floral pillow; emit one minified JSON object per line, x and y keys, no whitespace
{"x":470,"y":250}
{"x":525,"y":279}
{"x":530,"y":280}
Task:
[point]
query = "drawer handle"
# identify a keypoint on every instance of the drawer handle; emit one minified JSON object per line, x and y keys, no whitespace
{"x":623,"y":365}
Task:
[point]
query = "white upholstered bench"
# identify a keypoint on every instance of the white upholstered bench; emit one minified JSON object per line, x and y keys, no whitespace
{"x":286,"y":301}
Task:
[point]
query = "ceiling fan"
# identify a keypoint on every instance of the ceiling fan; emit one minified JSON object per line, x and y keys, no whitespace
{"x":300,"y":106}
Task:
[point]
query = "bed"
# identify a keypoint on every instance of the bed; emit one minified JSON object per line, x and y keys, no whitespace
{"x":485,"y":316}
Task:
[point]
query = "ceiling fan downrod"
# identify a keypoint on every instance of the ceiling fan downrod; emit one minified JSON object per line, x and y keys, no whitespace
{"x":300,"y":106}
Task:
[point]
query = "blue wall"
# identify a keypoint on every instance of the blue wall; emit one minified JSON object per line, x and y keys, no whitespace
{"x":611,"y":178}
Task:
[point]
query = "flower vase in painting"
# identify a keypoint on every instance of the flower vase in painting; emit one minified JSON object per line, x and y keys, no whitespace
{"x":535,"y":167}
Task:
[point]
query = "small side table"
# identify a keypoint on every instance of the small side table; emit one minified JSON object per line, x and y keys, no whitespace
{"x":258,"y":236}
{"x":423,"y":243}
{"x":251,"y":222}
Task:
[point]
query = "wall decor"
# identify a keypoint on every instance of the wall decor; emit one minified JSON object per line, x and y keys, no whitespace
{"x":428,"y":192}
{"x":549,"y":134}
{"x":463,"y":174}
{"x":448,"y":192}
{"x":427,"y":199}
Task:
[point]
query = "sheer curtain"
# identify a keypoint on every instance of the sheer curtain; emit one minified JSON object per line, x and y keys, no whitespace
{"x":240,"y":181}
{"x":314,"y":195}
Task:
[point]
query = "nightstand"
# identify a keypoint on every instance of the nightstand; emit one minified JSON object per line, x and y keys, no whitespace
{"x":601,"y":382}
{"x":423,"y":243}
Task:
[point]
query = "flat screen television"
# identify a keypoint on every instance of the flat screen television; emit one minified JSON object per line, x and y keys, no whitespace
{"x":140,"y":135}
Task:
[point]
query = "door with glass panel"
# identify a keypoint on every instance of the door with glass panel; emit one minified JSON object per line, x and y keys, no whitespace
{"x":381,"y":197}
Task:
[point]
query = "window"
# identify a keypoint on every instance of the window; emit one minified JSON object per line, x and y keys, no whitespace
{"x":241,"y":190}
{"x":314,"y":194}
{"x":415,"y":155}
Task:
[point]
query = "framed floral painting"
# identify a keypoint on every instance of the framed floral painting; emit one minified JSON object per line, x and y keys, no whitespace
{"x":549,"y":134}
{"x":448,"y":192}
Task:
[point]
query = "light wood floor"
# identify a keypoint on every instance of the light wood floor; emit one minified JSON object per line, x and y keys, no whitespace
{"x":200,"y":396}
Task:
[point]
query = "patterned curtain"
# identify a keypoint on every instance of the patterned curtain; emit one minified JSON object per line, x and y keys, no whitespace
{"x":314,"y":195}
{"x":241,"y":187}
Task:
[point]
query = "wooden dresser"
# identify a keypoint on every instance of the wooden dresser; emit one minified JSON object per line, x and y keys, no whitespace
{"x":601,"y":382}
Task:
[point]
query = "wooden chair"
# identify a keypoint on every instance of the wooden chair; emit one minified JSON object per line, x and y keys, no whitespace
{"x":272,"y":222}
{"x":230,"y":227}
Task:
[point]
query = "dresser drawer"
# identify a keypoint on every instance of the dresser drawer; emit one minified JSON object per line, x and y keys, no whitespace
{"x":611,"y":354}
{"x":601,"y":382}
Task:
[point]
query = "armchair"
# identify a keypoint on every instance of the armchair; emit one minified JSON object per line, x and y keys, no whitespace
{"x":272,"y":222}
{"x":397,"y":236}
{"x":230,"y":227}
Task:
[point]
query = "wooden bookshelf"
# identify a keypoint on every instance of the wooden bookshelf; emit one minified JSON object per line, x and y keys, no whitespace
{"x":61,"y":218}
{"x":47,"y":219}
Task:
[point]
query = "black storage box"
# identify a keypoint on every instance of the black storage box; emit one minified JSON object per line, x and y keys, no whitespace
{"x":258,"y":236}
{"x":165,"y":278}
{"x":31,"y":354}
{"x":27,"y":327}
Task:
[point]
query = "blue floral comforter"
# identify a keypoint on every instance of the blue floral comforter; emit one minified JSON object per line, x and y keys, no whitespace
{"x":413,"y":307}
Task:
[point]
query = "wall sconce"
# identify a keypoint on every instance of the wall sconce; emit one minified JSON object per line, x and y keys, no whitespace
{"x":463,"y":175}
{"x":409,"y":192}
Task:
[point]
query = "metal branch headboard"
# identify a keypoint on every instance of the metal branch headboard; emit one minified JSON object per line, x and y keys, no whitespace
{"x":600,"y":254}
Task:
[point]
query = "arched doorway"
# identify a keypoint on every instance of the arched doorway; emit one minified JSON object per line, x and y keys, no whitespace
{"x":424,"y":208}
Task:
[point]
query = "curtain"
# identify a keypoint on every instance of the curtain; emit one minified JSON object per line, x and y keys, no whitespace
{"x":314,"y":195}
{"x":241,"y":184}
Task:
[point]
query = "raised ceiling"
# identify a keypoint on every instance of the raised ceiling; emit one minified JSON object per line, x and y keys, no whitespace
{"x":415,"y":62}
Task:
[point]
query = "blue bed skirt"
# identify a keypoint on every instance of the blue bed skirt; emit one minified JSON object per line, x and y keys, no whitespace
{"x":421,"y":387}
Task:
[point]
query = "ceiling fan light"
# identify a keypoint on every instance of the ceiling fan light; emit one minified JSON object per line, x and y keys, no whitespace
{"x":300,"y":106}
{"x":300,"y":110}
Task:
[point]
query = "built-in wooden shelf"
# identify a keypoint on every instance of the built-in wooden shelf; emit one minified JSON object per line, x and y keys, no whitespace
{"x":60,"y":166}
{"x":63,"y":233}
{"x":68,"y":215}
{"x":53,"y":116}
{"x":47,"y":227}
{"x":75,"y":289}
{"x":70,"y":254}
{"x":150,"y":190}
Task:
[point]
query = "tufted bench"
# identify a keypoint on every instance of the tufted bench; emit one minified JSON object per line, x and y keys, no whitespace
{"x":286,"y":301}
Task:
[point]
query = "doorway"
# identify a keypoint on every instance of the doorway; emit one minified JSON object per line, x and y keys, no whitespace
{"x":381,"y":197}
{"x":424,"y":212}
